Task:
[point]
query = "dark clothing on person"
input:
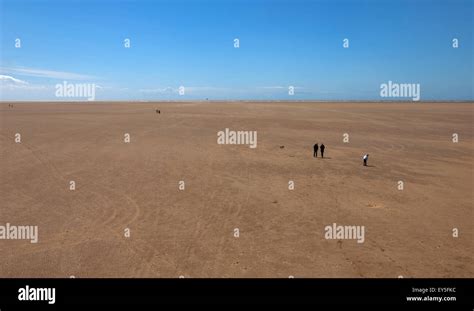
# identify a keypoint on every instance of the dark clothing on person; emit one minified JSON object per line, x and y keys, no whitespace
{"x":322,"y":150}
{"x":315,"y":153}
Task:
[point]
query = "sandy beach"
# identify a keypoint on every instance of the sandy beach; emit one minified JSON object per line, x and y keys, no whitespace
{"x":130,"y":215}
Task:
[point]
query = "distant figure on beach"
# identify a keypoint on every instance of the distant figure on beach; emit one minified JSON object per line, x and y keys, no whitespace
{"x":365,"y":158}
{"x":322,"y":150}
{"x":315,"y":153}
{"x":158,"y":111}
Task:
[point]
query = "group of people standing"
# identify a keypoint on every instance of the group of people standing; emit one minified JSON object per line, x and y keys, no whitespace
{"x":315,"y":153}
{"x":365,"y":158}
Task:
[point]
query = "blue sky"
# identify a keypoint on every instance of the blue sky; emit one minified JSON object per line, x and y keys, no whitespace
{"x":191,"y":44}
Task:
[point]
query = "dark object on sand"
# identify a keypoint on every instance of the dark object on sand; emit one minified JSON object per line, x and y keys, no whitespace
{"x":322,"y":150}
{"x":281,"y":147}
{"x":158,"y":111}
{"x":315,"y":148}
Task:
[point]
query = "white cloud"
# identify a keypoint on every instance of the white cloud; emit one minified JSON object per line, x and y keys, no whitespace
{"x":165,"y":90}
{"x":9,"y":83}
{"x":272,"y":87}
{"x":187,"y":89}
{"x":204,"y":88}
{"x":10,"y":80}
{"x":45,"y":73}
{"x":278,"y":87}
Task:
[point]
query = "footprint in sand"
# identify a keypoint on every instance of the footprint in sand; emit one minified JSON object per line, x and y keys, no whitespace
{"x":374,"y":205}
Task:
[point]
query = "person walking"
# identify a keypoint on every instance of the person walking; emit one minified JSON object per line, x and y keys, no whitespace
{"x":322,"y":150}
{"x":315,"y":153}
{"x":366,"y":158}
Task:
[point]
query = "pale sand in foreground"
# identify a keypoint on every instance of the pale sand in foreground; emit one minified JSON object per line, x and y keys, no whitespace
{"x":408,"y":232}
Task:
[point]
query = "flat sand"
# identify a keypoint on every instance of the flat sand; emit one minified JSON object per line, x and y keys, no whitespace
{"x":191,"y":233}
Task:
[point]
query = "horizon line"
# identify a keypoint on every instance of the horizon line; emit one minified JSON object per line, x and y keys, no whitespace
{"x":239,"y":100}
